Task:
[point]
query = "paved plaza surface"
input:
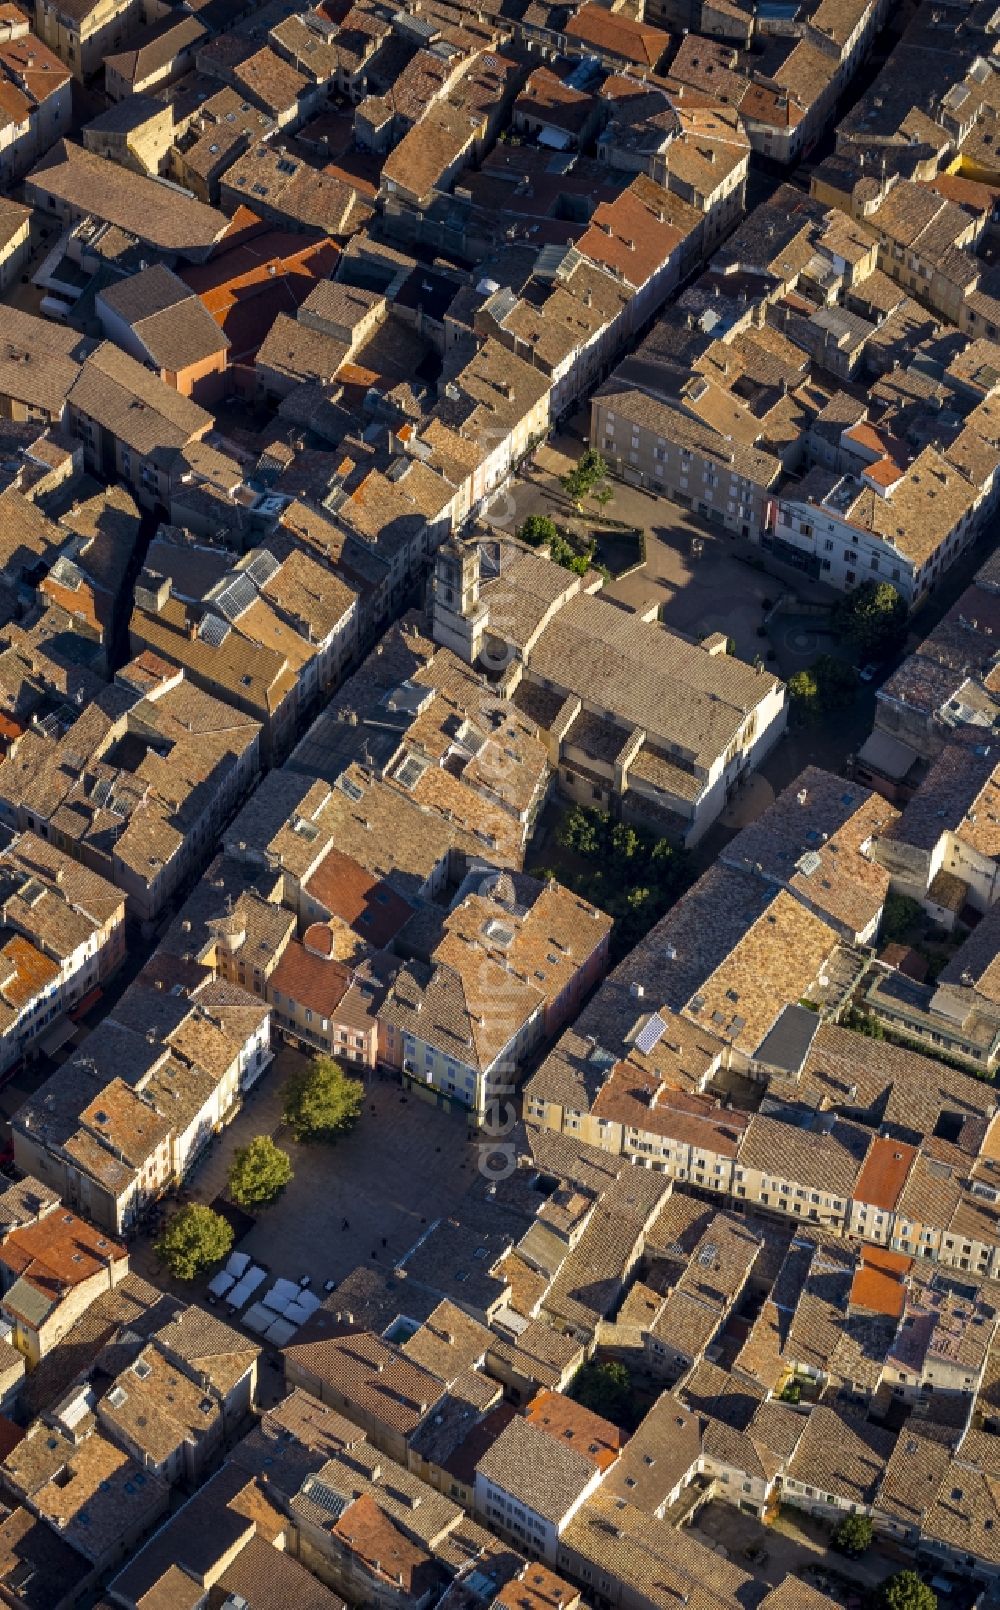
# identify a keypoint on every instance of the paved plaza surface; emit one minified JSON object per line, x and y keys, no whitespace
{"x":793,"y":1543}
{"x":404,"y":1165}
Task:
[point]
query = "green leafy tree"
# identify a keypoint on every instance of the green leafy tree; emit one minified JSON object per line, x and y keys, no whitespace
{"x":581,"y":830}
{"x":194,"y":1239}
{"x":603,"y":494}
{"x":574,"y":484}
{"x":791,"y":1392}
{"x":863,"y":1023}
{"x":873,"y":617}
{"x":538,"y":529}
{"x":625,"y":842}
{"x":662,"y":853}
{"x":854,"y":1535}
{"x":259,"y":1173}
{"x":594,"y":466}
{"x":803,"y":690}
{"x":828,"y":684}
{"x":321,"y":1102}
{"x":905,"y":1591}
{"x":837,"y":682}
{"x":899,"y":914}
{"x":606,"y":1389}
{"x":587,"y":474}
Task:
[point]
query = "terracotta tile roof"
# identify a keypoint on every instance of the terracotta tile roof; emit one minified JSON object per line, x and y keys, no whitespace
{"x":58,"y":1252}
{"x":576,"y":1427}
{"x":24,"y":972}
{"x":537,"y":1470}
{"x":879,"y":1284}
{"x":378,"y":1541}
{"x":817,"y":840}
{"x":618,"y":34}
{"x":884,"y":1173}
{"x":536,"y":1588}
{"x":129,"y":1125}
{"x":270,"y":1578}
{"x":312,"y":981}
{"x":349,"y":891}
{"x":546,"y":98}
{"x":827,"y":1162}
{"x":627,"y":235}
{"x":842,"y":1457}
{"x":87,"y":183}
{"x":377,"y":1379}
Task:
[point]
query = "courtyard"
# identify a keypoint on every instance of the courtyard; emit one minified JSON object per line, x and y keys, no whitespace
{"x":365,"y":1199}
{"x":702,"y":579}
{"x":794,"y":1544}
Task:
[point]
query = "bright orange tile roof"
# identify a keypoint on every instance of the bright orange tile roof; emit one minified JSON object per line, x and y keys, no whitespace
{"x":884,"y":473}
{"x":311,"y":981}
{"x":576,"y":1427}
{"x":59,"y":1251}
{"x":879,"y":1286}
{"x":895,"y":1263}
{"x":884,"y":1173}
{"x":31,"y":971}
{"x":866,"y":436}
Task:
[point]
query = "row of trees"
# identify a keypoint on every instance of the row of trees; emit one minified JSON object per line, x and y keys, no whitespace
{"x":321,"y":1103}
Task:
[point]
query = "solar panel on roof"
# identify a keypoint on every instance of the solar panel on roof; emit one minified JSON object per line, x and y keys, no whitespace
{"x":235,"y":599}
{"x":324,"y":1496}
{"x":411,"y":771}
{"x":261,"y":568}
{"x":213,"y":630}
{"x":349,"y":788}
{"x":809,"y":863}
{"x":101,"y":791}
{"x":650,"y":1035}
